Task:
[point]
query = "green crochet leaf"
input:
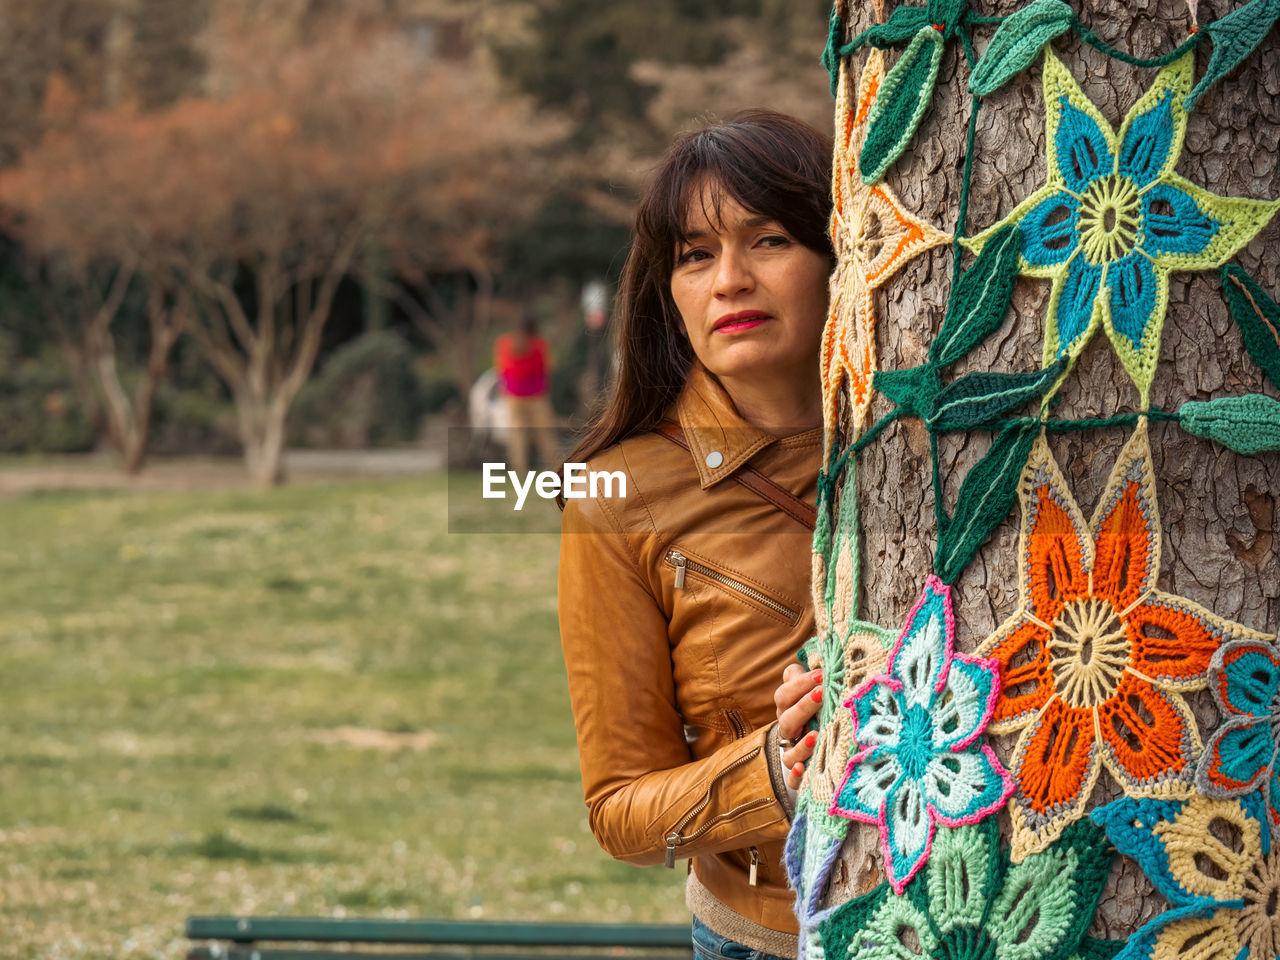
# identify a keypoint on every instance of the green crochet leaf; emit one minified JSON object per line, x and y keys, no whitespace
{"x":837,"y":615}
{"x":1234,"y":38}
{"x":977,"y":399}
{"x":1023,"y":921}
{"x":901,"y":103}
{"x":1048,"y":900}
{"x":822,"y":526}
{"x":1248,"y":424}
{"x":1017,"y":42}
{"x":1258,"y":317}
{"x":903,"y":24}
{"x":912,"y":390}
{"x":849,"y":919}
{"x":879,"y":926}
{"x":947,"y":13}
{"x":962,"y":875}
{"x":986,"y":497}
{"x":971,"y":903}
{"x":981,"y":298}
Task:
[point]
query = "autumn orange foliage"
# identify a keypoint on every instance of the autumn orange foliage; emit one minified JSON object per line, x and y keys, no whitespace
{"x":255,"y":199}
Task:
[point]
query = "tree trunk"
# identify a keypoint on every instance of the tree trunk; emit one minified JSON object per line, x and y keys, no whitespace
{"x":265,"y":363}
{"x":1217,"y":508}
{"x":90,"y":350}
{"x":262,"y":432}
{"x":129,"y":418}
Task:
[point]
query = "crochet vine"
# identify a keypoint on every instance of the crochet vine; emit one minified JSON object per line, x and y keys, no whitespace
{"x":1090,"y":676}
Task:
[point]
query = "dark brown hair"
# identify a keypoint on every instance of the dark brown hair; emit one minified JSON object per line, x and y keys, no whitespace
{"x":771,"y":164}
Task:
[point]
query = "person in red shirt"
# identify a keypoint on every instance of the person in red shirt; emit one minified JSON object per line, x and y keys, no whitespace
{"x":523,"y":366}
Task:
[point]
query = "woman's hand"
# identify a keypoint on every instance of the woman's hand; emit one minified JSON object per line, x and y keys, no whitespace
{"x":797,"y":698}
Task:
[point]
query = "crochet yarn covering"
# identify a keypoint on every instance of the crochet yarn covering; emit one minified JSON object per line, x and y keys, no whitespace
{"x":979,"y":787}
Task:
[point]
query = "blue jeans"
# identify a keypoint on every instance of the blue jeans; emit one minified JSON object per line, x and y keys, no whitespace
{"x":709,"y":945}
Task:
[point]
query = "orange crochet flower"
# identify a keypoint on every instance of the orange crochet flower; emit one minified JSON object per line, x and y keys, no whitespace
{"x":1094,"y":661}
{"x":873,"y":235}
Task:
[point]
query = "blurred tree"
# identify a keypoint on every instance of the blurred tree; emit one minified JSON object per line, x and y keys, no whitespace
{"x":73,"y":201}
{"x":631,"y":75}
{"x":240,"y":215}
{"x":166,"y":60}
{"x":443,"y":256}
{"x":577,"y":56}
{"x":107,"y":51}
{"x":82,"y":302}
{"x":353,"y":138}
{"x":40,"y":39}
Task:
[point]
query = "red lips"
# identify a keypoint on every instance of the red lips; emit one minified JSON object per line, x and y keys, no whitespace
{"x":741,"y":316}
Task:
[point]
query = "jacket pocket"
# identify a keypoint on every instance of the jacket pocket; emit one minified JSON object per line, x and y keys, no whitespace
{"x":685,"y":566}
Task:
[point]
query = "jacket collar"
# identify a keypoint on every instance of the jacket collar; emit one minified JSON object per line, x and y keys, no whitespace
{"x":712,"y":426}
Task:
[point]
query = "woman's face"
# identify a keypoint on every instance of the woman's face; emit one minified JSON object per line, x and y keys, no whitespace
{"x":752,"y":298}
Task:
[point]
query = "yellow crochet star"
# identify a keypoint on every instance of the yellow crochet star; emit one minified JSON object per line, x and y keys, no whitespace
{"x":1113,"y":219}
{"x":873,"y":237}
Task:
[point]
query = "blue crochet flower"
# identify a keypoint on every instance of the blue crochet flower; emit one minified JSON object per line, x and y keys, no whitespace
{"x":1213,"y":861}
{"x":917,"y":759}
{"x":1113,"y":219}
{"x":1240,"y":756}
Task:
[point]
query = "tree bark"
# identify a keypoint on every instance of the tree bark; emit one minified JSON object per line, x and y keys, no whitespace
{"x":1217,"y":508}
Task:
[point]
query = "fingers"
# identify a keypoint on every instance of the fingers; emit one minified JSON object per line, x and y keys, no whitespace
{"x":791,"y":680}
{"x":797,"y":683}
{"x":798,"y":699}
{"x":795,"y":758}
{"x":793,"y":720}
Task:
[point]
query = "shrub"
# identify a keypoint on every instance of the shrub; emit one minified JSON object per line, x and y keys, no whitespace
{"x":187,"y":420}
{"x":439,"y":393}
{"x":367,"y":395}
{"x":42,"y":413}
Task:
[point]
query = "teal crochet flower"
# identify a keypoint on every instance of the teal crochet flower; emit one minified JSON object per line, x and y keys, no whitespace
{"x":1112,"y":219}
{"x":918,"y":761}
{"x":1240,"y":756}
{"x":971,"y":903}
{"x":1213,"y":861}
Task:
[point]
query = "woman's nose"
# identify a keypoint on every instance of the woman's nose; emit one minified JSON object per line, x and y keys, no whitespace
{"x":733,"y":275}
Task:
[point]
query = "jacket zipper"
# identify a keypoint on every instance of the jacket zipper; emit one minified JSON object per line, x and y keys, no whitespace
{"x":675,"y":838}
{"x":755,"y":866}
{"x":739,"y":725}
{"x":683,"y":564}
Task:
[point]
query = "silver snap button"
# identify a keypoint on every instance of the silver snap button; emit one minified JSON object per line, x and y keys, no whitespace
{"x":714,"y":459}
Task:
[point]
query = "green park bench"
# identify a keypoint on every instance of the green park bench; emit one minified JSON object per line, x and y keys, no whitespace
{"x":306,"y":938}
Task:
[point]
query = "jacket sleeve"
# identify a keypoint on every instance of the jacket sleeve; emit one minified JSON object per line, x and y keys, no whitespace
{"x":648,"y":800}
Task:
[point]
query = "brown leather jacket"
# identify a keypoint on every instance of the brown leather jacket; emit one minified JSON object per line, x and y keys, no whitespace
{"x":680,"y":605}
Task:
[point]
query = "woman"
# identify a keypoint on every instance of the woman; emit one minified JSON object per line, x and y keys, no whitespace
{"x":682,"y":601}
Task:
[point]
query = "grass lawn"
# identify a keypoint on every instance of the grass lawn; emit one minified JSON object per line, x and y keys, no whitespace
{"x":310,"y":701}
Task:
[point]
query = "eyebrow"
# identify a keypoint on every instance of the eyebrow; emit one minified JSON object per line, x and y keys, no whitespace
{"x":750,"y":222}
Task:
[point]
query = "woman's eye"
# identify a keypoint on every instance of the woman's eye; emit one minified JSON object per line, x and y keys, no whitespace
{"x":696,"y":255}
{"x":775,"y":240}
